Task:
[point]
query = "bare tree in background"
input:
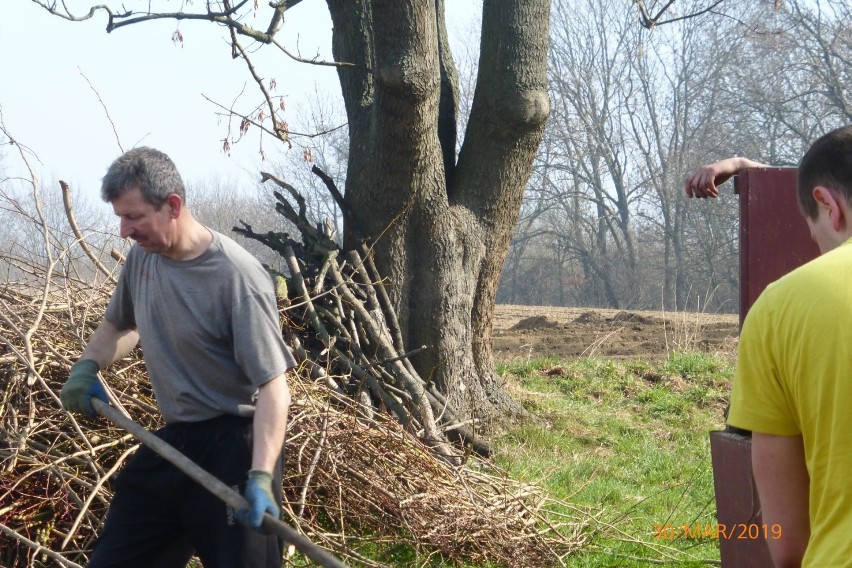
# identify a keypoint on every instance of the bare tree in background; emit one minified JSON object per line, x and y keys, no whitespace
{"x":677,"y":108}
{"x":633,"y":112}
{"x":221,"y":203}
{"x":796,"y":81}
{"x":590,"y":56}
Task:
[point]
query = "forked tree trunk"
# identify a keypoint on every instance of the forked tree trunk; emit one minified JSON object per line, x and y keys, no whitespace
{"x":441,"y":226}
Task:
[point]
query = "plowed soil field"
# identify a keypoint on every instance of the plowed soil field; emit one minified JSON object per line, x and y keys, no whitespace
{"x":540,"y":331}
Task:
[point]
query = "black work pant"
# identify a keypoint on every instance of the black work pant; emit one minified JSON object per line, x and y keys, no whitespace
{"x":159,"y":517}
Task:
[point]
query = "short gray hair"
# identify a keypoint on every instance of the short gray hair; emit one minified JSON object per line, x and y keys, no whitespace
{"x":152,"y":171}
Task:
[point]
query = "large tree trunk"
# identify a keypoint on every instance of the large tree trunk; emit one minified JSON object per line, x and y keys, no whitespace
{"x":440,"y":227}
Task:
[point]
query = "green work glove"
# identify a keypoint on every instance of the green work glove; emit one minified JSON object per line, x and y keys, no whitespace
{"x":82,"y":385}
{"x":259,"y":495}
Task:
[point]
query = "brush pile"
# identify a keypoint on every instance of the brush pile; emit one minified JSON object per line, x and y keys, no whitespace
{"x":370,"y":468}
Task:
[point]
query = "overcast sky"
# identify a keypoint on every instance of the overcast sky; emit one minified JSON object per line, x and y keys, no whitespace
{"x":57,"y":77}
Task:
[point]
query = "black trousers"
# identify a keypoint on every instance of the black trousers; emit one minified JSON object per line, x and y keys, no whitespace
{"x":159,"y":517}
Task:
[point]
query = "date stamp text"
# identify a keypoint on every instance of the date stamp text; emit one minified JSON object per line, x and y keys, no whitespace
{"x":717,"y":531}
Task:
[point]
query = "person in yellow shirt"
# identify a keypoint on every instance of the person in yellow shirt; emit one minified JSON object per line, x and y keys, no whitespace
{"x":793,"y":384}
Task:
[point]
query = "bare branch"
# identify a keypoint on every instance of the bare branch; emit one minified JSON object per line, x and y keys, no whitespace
{"x":225,"y":18}
{"x":67,"y":15}
{"x":72,"y":220}
{"x":348,"y":213}
{"x":279,"y":128}
{"x":313,"y":61}
{"x":106,"y":110}
{"x":56,"y":557}
{"x":650,"y":22}
{"x":232,"y":112}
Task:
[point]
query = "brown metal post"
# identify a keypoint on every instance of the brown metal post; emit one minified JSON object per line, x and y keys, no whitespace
{"x":774,"y":239}
{"x":737,"y":505}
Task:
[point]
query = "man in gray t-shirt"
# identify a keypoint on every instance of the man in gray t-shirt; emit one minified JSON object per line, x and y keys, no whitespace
{"x":204,"y":311}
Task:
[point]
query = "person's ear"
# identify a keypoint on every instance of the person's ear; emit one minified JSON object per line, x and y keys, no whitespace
{"x":831,"y":201}
{"x":175,"y":204}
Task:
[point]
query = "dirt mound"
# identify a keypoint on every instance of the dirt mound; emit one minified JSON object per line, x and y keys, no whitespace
{"x":590,"y":317}
{"x":631,"y":317}
{"x":535,"y":322}
{"x":543,"y":331}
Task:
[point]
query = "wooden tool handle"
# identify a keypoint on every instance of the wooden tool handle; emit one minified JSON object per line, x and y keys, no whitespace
{"x":214,"y":486}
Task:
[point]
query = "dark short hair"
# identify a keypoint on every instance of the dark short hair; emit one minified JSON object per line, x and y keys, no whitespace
{"x":152,"y":171}
{"x":828,"y":163}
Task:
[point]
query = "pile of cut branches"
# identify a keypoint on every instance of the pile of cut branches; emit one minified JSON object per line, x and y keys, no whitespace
{"x":369,"y":465}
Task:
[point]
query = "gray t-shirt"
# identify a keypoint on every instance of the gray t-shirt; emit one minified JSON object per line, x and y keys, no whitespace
{"x":208,"y":327}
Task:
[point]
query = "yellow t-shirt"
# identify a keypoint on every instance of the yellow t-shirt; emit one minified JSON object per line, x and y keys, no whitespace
{"x":794,"y":376}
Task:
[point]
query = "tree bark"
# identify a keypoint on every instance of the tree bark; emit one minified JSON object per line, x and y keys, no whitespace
{"x":441,"y":227}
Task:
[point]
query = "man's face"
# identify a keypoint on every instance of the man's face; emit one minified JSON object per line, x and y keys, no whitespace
{"x":153,"y":230}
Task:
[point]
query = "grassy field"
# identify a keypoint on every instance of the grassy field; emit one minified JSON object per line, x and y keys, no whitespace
{"x":623,"y":445}
{"x":628,"y":442}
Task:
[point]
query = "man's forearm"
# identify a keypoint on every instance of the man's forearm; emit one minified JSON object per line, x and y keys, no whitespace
{"x":270,"y":423}
{"x":733,"y":166}
{"x":783,"y":485}
{"x":702,"y":183}
{"x":109,"y":344}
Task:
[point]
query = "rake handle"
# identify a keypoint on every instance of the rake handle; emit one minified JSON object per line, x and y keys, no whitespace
{"x":215,"y":486}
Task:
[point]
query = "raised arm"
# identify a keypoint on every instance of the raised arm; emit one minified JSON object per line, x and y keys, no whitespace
{"x":702,"y":183}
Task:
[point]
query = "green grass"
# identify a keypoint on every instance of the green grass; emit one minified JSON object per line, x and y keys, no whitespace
{"x":623,"y":444}
{"x":627,"y":441}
